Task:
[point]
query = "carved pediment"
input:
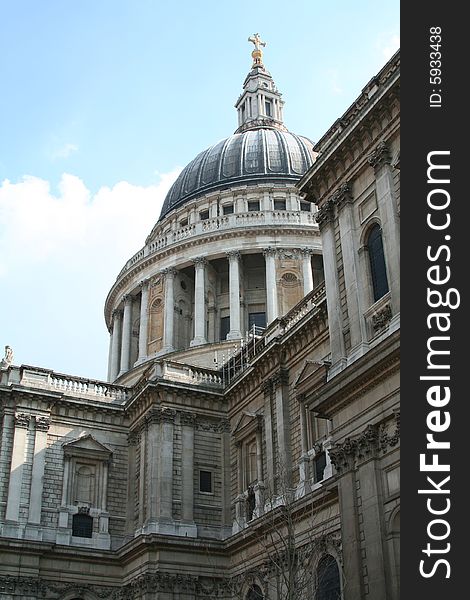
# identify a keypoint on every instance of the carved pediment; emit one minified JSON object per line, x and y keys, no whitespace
{"x":246,"y":424}
{"x":312,"y":376}
{"x":87,"y":446}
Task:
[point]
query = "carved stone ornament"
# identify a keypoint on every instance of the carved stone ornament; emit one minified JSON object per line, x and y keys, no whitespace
{"x":169,"y":272}
{"x":342,"y":196}
{"x":8,"y":358}
{"x":234,"y":255}
{"x":200,"y":262}
{"x":270,"y":251}
{"x":380,"y":156}
{"x":42,"y":423}
{"x":325,"y":214}
{"x":22,"y":420}
{"x":382,"y":318}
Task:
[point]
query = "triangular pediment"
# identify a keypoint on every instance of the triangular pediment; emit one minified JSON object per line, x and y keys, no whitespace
{"x":246,"y":421}
{"x":313,"y":373}
{"x":87,"y":444}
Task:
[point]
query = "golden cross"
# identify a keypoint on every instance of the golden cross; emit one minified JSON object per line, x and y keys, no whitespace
{"x":256,"y":41}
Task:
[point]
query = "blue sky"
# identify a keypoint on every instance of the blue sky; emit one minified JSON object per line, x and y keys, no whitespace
{"x":104,"y":101}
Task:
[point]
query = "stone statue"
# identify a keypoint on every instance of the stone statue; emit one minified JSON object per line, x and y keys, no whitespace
{"x":8,"y":359}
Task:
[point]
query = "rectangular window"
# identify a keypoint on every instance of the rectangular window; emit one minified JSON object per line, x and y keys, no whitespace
{"x":253,"y":205}
{"x":320,"y":464}
{"x":227,"y":209}
{"x":251,"y":475}
{"x":183,"y":222}
{"x":268,"y":108}
{"x":279,"y":205}
{"x":224,"y":328}
{"x":203,"y":215}
{"x":258,"y":319}
{"x":205,"y":482}
{"x":305,"y":206}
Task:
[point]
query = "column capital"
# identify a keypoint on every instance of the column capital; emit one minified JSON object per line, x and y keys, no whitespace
{"x":306,"y":252}
{"x":22,"y":420}
{"x":270,"y":251}
{"x":200,"y":262}
{"x":127,"y":299}
{"x":42,"y":423}
{"x":342,"y":196}
{"x":380,"y":156}
{"x":169,"y":272}
{"x":234,"y":255}
{"x":117,"y":313}
{"x":325,"y":214}
{"x":188,"y":419}
{"x":144,"y":283}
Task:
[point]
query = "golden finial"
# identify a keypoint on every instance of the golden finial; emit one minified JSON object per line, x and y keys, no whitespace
{"x":257,"y":53}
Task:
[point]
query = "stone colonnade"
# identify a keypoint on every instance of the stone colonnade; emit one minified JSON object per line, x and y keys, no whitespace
{"x":121,"y":329}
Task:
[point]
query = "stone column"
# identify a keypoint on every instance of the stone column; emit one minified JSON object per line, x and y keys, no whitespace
{"x":17,"y":465}
{"x":387,"y":203}
{"x":110,"y":353}
{"x":226,"y":472}
{"x":150,"y":477}
{"x":267,"y":388}
{"x":169,"y":308}
{"x":144,"y":319}
{"x":199,"y":302}
{"x":307,"y":274}
{"x":304,"y":461}
{"x":354,"y":283}
{"x":187,"y":475}
{"x":281,"y":383}
{"x":116,"y":344}
{"x":126,"y":335}
{"x":132,"y":441}
{"x":272,"y":311}
{"x":234,"y":286}
{"x":325,"y":219}
{"x":6,"y":447}
{"x":165,"y":499}
{"x":37,"y":476}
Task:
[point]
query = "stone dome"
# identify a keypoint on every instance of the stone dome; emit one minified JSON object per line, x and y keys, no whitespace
{"x":254,"y":156}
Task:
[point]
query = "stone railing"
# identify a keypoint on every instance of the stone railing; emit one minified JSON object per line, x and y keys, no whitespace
{"x":311,"y":301}
{"x":175,"y":371}
{"x":36,"y":377}
{"x":225,"y":222}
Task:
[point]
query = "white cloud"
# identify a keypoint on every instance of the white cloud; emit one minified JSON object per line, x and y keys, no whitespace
{"x":64,"y":151}
{"x":59,"y":255}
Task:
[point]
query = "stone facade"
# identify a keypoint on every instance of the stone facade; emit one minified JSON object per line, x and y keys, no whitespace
{"x":208,"y":455}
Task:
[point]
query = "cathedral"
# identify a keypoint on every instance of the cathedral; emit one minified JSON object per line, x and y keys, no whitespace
{"x":246,"y":443}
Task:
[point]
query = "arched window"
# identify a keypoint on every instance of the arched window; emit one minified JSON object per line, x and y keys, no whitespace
{"x":254,"y":593}
{"x":328,"y":583}
{"x":377,"y":262}
{"x":82,"y":525}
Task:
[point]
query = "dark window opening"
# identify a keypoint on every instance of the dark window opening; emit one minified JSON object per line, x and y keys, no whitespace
{"x":253,"y":205}
{"x":183,"y":222}
{"x":224,"y":328}
{"x":305,"y":206}
{"x":328,"y":583}
{"x":205,"y":481}
{"x":258,"y":319}
{"x":227,"y":209}
{"x":279,"y":205}
{"x":268,"y":108}
{"x":82,"y":525}
{"x":320,"y":464}
{"x":377,"y":263}
{"x":203,"y":215}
